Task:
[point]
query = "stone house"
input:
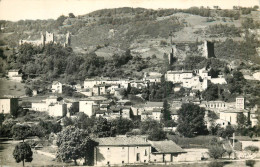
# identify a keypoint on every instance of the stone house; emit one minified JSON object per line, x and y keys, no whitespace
{"x":15,"y":75}
{"x":165,"y":151}
{"x":56,"y":87}
{"x":57,"y":110}
{"x":8,"y":105}
{"x":134,"y":150}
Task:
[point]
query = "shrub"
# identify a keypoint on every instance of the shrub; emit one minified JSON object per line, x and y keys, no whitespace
{"x":250,"y":163}
{"x":216,"y":164}
{"x":253,"y":149}
{"x":216,"y":151}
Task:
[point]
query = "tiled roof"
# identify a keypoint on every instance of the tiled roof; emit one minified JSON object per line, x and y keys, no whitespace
{"x":166,"y":146}
{"x":154,"y":104}
{"x":122,"y":141}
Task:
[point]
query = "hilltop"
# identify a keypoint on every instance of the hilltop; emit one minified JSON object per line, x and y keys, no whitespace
{"x":146,"y":33}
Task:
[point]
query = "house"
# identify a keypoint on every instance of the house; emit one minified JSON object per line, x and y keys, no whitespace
{"x":86,"y":106}
{"x":13,"y":72}
{"x":220,"y":80}
{"x":134,"y":150}
{"x":188,"y":79}
{"x":90,"y":104}
{"x":58,"y":109}
{"x":148,"y":110}
{"x":121,"y":150}
{"x":214,"y":105}
{"x":100,"y":113}
{"x":39,"y":106}
{"x":56,"y":87}
{"x":153,"y":77}
{"x":15,"y":75}
{"x":157,"y":114}
{"x":8,"y":105}
{"x":51,"y":99}
{"x":165,"y":151}
{"x":177,"y":76}
{"x":125,"y":113}
{"x":230,"y":115}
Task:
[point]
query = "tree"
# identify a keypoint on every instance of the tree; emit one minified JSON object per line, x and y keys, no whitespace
{"x":211,"y":93}
{"x":28,"y":92}
{"x":166,"y":111}
{"x":227,"y":132}
{"x":191,"y":120}
{"x":23,"y":152}
{"x":229,"y":152}
{"x":250,"y":163}
{"x":216,"y":151}
{"x":122,"y":125}
{"x":216,"y":164}
{"x":74,"y":143}
{"x":20,"y":132}
{"x":103,"y":128}
{"x":156,"y":134}
{"x":153,"y":129}
{"x":71,"y":15}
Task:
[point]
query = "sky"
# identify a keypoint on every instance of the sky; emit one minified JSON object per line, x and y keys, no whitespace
{"x":51,"y":9}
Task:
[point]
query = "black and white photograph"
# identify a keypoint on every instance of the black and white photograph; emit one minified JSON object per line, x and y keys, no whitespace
{"x":142,"y":83}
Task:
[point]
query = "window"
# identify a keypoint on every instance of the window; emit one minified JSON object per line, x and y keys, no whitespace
{"x":145,"y":152}
{"x":123,"y":162}
{"x":107,"y":148}
{"x":137,"y":147}
{"x":123,"y":148}
{"x":108,"y":162}
{"x":144,"y":161}
{"x":138,"y":157}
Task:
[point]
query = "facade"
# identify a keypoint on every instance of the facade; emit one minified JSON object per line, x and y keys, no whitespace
{"x":39,"y":106}
{"x":121,"y":150}
{"x":8,"y":105}
{"x":57,"y":109}
{"x":230,"y":115}
{"x":165,"y":151}
{"x":134,"y":150}
{"x":86,"y":107}
{"x":15,"y":75}
{"x":240,"y":103}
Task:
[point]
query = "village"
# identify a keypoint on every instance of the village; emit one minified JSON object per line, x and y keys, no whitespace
{"x":184,"y":104}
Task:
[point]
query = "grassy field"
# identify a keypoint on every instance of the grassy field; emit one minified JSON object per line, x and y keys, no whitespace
{"x":39,"y":160}
{"x":195,"y":142}
{"x":8,"y":87}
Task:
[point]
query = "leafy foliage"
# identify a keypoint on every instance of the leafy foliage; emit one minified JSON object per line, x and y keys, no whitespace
{"x":122,"y":125}
{"x":153,"y":129}
{"x":20,"y":132}
{"x":191,"y":120}
{"x":23,"y":152}
{"x":74,"y":143}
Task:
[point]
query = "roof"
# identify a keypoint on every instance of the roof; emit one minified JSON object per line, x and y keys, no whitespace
{"x":167,"y":146}
{"x":14,"y":70}
{"x":154,"y":104}
{"x":122,"y":141}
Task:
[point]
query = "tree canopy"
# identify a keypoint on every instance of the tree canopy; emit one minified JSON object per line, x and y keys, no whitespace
{"x":74,"y":143}
{"x":23,"y":152}
{"x":191,"y":120}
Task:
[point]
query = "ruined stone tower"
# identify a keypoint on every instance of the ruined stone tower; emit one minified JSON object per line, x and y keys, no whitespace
{"x":208,"y":49}
{"x":68,"y":39}
{"x":49,"y":37}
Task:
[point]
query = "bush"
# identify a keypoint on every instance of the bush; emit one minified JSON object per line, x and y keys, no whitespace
{"x":216,"y":164}
{"x":250,"y":163}
{"x":253,"y":149}
{"x":216,"y":151}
